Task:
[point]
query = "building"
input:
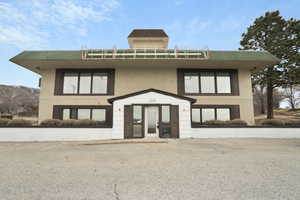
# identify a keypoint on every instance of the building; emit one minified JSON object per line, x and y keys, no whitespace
{"x":147,"y":90}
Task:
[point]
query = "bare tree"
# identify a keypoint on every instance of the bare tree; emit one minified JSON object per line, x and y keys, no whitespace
{"x":292,"y":98}
{"x":260,"y":98}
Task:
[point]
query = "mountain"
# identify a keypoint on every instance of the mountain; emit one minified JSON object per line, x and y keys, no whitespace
{"x":19,"y":100}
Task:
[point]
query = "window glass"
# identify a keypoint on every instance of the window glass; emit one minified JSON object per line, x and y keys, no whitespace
{"x":137,"y":114}
{"x":73,"y":113}
{"x":137,"y":130}
{"x":191,"y":83}
{"x":223,"y":114}
{"x":99,"y":115}
{"x":223,"y":83}
{"x":208,"y":114}
{"x":196,"y":115}
{"x":84,"y":113}
{"x":207,"y":82}
{"x":66,"y":114}
{"x":70,"y":83}
{"x":165,"y":114}
{"x":85,"y":83}
{"x":100,"y":83}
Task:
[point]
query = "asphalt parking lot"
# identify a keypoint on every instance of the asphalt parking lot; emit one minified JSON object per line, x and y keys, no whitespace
{"x":178,"y":169}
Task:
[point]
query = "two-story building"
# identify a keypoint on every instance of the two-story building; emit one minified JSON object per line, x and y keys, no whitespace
{"x":147,"y":90}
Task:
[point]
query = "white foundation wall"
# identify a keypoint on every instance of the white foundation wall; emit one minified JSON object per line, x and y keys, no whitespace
{"x":262,"y":132}
{"x":151,"y":98}
{"x":54,"y":134}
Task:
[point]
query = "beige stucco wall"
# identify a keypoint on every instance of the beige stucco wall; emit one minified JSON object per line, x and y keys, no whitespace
{"x":159,"y":43}
{"x":128,"y":80}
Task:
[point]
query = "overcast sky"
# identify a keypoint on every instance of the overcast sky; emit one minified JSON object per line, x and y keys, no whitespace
{"x":71,"y":24}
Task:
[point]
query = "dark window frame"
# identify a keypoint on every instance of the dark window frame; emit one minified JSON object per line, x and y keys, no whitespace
{"x":234,"y":111}
{"x":58,"y":113}
{"x":234,"y":82}
{"x":59,"y":81}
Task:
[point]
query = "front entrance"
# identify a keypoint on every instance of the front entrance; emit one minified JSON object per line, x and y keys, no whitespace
{"x":151,"y":121}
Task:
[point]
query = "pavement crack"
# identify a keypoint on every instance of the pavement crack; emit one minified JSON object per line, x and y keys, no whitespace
{"x":117,"y":196}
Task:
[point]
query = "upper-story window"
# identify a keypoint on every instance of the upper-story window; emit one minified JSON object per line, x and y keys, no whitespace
{"x":84,"y":82}
{"x":207,"y":82}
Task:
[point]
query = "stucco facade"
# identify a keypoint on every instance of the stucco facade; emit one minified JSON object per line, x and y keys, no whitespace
{"x":128,"y":80}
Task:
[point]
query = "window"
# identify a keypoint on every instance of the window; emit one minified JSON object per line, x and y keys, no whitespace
{"x":70,"y":83}
{"x":191,"y":83}
{"x":223,"y":114}
{"x":84,"y":114}
{"x":196,"y":116}
{"x":100,"y":83}
{"x":165,"y":114}
{"x":207,"y":82}
{"x":99,"y":115}
{"x":84,"y":82}
{"x":206,"y":113}
{"x":223,"y":82}
{"x":66,"y":114}
{"x":69,"y":114}
{"x":137,"y":114}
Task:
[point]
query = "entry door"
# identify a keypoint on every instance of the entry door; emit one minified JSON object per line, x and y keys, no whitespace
{"x":151,"y":121}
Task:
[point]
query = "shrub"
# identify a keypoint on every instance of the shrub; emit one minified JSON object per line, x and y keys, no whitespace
{"x":273,"y":122}
{"x":77,"y":123}
{"x":51,"y":123}
{"x":214,"y":122}
{"x":292,"y":122}
{"x":236,"y":122}
{"x":4,"y":122}
{"x":19,"y":122}
{"x":85,"y":122}
{"x":68,"y":123}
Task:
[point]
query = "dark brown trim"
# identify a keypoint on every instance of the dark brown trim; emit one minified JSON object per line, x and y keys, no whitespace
{"x":58,"y":112}
{"x":111,"y":100}
{"x":143,"y":120}
{"x":59,"y":81}
{"x":175,"y":130}
{"x":234,"y":82}
{"x":234,"y":112}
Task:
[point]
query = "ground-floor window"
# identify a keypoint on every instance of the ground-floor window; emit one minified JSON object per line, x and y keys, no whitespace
{"x":101,"y":114}
{"x":202,"y":113}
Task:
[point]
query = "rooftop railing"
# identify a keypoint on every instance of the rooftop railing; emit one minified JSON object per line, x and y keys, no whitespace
{"x":98,"y":54}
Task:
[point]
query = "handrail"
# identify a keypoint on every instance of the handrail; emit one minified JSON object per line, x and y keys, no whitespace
{"x":99,"y":54}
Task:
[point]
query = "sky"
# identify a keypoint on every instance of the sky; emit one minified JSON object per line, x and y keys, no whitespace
{"x":76,"y":24}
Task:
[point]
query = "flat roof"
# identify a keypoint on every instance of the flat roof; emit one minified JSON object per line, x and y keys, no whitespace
{"x":33,"y":60}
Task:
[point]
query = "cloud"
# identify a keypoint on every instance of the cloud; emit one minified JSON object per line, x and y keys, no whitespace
{"x":27,"y":24}
{"x":187,"y":33}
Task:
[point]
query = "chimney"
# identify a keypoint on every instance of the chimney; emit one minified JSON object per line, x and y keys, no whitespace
{"x":148,"y":39}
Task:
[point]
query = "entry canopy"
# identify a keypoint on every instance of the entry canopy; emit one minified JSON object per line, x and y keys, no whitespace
{"x":111,"y":100}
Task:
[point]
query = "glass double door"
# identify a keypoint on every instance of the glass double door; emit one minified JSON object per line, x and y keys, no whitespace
{"x":151,"y":121}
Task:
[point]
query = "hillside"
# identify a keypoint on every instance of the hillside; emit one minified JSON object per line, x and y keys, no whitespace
{"x":19,"y":100}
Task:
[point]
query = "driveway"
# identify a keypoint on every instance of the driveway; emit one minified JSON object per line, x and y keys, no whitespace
{"x":179,"y":169}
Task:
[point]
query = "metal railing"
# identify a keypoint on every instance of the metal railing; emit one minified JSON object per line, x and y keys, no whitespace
{"x":98,"y":54}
